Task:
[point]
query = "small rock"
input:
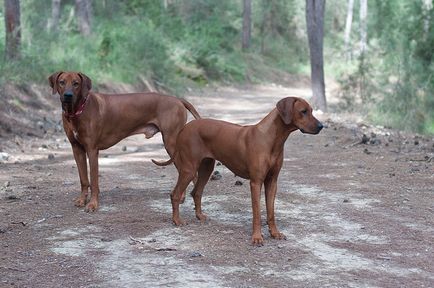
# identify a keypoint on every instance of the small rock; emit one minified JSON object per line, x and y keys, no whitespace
{"x":365,"y":139}
{"x":67,"y":183}
{"x":106,"y":240}
{"x":346,"y":201}
{"x":153,"y":240}
{"x":13,"y":197}
{"x":366,"y":151}
{"x":216,"y":175}
{"x":7,"y":184}
{"x":4,"y":156}
{"x":375,"y":141}
{"x":44,"y":146}
{"x":195,"y":254}
{"x":40,"y":124}
{"x":41,"y":220}
{"x":238,"y":183}
{"x":50,"y":156}
{"x":416,"y":142}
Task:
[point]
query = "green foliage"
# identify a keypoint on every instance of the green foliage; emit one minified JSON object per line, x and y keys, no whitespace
{"x":409,"y":102}
{"x":395,"y":80}
{"x":132,"y":40}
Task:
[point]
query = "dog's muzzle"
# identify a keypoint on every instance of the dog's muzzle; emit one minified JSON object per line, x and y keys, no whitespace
{"x":319,"y":127}
{"x":67,"y":97}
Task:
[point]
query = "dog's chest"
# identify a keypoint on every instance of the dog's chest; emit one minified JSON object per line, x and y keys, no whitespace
{"x":75,"y":134}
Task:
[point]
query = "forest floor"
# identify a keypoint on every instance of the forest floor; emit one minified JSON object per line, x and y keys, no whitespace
{"x":357,"y":211}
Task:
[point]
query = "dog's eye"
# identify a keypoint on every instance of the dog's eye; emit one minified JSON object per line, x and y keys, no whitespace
{"x":75,"y":84}
{"x":304,"y":112}
{"x":62,"y":83}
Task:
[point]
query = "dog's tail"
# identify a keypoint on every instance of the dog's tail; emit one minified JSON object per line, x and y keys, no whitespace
{"x":165,"y":163}
{"x":190,"y":108}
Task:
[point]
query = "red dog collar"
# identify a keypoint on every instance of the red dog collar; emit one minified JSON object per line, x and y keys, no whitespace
{"x":79,"y":110}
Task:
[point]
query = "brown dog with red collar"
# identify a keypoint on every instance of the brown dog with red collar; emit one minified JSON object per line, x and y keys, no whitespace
{"x":252,"y":152}
{"x":95,"y":121}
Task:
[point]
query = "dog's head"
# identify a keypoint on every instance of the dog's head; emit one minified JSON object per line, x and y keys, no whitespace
{"x":71,"y":87}
{"x":296,"y":111}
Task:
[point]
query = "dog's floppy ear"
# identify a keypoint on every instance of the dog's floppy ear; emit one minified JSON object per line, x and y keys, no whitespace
{"x":285,"y":107}
{"x":86,"y":84}
{"x":53,"y":81}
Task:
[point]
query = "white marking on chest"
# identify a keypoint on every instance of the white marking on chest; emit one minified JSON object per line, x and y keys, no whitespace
{"x":75,"y":134}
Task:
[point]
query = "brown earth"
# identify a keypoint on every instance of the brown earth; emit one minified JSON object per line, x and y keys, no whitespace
{"x":357,"y":211}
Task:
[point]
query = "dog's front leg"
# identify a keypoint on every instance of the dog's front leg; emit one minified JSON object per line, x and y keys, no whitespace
{"x":94,"y":188}
{"x":270,"y":195}
{"x":255,"y":189}
{"x":80,"y":160}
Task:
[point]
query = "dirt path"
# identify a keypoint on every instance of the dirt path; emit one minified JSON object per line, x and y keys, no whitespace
{"x":355,"y":215}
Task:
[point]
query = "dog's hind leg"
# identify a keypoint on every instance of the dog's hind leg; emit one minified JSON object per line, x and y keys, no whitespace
{"x":205,"y":169}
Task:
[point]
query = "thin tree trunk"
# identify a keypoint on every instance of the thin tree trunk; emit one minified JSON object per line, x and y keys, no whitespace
{"x":83,"y":10}
{"x":363,"y":27}
{"x":427,"y":5}
{"x":315,"y":31}
{"x":348,"y":23}
{"x":13,"y":29}
{"x":263,"y":24}
{"x":247,"y":24}
{"x":53,"y":23}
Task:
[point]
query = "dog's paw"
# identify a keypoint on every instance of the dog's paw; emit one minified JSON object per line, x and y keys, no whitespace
{"x":257,"y":240}
{"x":91,"y":207}
{"x":202,"y":217}
{"x":80,"y":201}
{"x":278,"y":236}
{"x":179,"y":222}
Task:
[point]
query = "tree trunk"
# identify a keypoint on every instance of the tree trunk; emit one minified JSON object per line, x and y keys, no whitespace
{"x":348,"y":23}
{"x":264,"y":9}
{"x":83,"y":10}
{"x":315,"y":31}
{"x":363,"y":27}
{"x":247,"y":24}
{"x":427,"y":5}
{"x":53,"y":23}
{"x":13,"y":29}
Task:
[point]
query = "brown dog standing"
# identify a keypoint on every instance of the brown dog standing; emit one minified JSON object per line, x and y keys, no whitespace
{"x":252,"y":152}
{"x":95,"y":121}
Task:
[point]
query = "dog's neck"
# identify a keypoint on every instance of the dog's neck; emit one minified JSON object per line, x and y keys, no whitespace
{"x":78,"y":109}
{"x":275,"y":129}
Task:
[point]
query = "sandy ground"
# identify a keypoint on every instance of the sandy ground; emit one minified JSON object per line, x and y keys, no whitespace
{"x":355,"y":214}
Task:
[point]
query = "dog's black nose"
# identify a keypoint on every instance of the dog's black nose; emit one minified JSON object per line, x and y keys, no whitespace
{"x":320,"y":126}
{"x":67,"y":96}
